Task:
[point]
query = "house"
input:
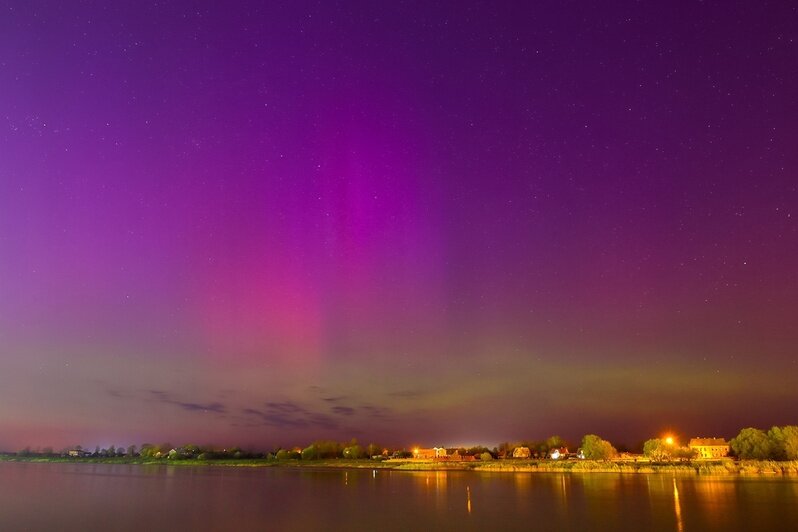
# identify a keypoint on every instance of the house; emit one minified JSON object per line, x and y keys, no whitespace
{"x":435,"y":453}
{"x":457,"y":457}
{"x":709,"y":447}
{"x":521,"y":452}
{"x":556,"y":454}
{"x":77,"y":453}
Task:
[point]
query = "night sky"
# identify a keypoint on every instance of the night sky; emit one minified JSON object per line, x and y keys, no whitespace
{"x":396,"y":221}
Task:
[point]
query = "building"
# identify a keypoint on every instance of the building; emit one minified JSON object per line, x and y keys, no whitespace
{"x":78,"y":453}
{"x":455,"y":456}
{"x":521,"y":452}
{"x":557,"y":454}
{"x":710,"y":447}
{"x":435,"y":453}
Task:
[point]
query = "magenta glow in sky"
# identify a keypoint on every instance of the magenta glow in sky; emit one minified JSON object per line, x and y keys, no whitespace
{"x":263,"y":224}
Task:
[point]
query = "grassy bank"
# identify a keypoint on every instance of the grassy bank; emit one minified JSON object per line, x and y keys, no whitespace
{"x":245,"y":462}
{"x":697,"y":467}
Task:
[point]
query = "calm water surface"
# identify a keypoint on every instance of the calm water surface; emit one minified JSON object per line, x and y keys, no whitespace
{"x":81,"y":497}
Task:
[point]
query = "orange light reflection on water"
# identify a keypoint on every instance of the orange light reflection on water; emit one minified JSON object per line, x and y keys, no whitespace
{"x":678,"y":507}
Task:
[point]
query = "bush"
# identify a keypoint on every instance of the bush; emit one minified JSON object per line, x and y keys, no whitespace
{"x":310,"y":453}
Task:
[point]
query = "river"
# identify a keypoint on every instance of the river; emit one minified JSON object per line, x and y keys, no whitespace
{"x":86,"y":497}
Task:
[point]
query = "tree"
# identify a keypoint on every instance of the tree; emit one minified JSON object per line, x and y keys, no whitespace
{"x":131,"y":451}
{"x":595,"y":448}
{"x":656,"y":450}
{"x":506,"y":448}
{"x":329,"y":448}
{"x":353,"y":452}
{"x":486,"y":456}
{"x":684,"y":453}
{"x":554,"y":442}
{"x":308,"y":453}
{"x":147,"y":450}
{"x":284,"y":454}
{"x":189,"y":451}
{"x":784,"y":442}
{"x":373,"y":450}
{"x":477,"y":451}
{"x":751,"y":444}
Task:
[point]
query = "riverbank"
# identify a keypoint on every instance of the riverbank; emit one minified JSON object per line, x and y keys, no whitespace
{"x":696,"y":467}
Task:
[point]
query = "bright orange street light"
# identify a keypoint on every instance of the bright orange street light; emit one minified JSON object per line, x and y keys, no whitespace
{"x":669,"y":440}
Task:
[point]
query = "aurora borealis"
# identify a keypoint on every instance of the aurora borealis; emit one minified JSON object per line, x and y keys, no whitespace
{"x":265,"y":223}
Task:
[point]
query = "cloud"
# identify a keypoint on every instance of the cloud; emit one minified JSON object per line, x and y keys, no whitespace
{"x":363,"y":410}
{"x":323,"y":421}
{"x":278,"y":420}
{"x":160,"y":395}
{"x":275,"y":419}
{"x":289,"y":414}
{"x":286,"y":407}
{"x":376,"y":411}
{"x":167,"y":398}
{"x":334,"y":399}
{"x":219,"y":408}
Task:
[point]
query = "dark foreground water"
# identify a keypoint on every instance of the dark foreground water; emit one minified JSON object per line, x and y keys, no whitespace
{"x":85,"y":497}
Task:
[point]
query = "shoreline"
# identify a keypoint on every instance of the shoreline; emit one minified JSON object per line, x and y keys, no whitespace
{"x":726,"y":467}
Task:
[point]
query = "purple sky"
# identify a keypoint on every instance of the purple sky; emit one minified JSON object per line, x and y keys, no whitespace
{"x":401,"y":222}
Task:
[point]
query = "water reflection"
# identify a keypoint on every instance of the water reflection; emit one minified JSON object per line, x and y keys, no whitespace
{"x":678,"y":507}
{"x":716,"y":495}
{"x":72,"y":497}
